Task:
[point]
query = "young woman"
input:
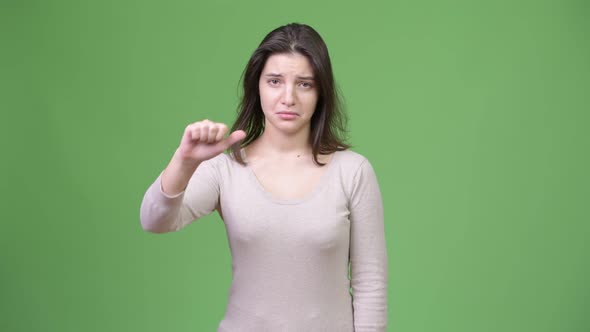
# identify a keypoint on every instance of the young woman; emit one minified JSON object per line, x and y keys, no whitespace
{"x":298,"y":206}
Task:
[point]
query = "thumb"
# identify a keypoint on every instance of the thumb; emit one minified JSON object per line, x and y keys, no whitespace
{"x":235,"y":137}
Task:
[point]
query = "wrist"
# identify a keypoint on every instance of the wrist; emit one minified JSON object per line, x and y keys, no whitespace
{"x":184,"y":162}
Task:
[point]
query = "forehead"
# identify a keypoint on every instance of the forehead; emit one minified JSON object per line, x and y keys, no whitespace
{"x":288,"y":64}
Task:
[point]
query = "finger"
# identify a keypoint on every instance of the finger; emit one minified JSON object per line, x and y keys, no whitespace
{"x":187,"y":135}
{"x":221,"y":132}
{"x":235,"y":137}
{"x":204,"y":132}
{"x":212,"y":134}
{"x":196,"y":132}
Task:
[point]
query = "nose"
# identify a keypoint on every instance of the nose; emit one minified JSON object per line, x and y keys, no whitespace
{"x":288,"y":96}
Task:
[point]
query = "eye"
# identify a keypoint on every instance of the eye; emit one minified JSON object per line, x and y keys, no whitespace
{"x":307,"y":85}
{"x":273,"y":81}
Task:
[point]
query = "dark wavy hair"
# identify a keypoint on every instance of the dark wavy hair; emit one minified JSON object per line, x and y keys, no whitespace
{"x":328,"y":123}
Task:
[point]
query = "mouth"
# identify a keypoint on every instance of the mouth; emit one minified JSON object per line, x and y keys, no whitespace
{"x":284,"y":115}
{"x":288,"y":113}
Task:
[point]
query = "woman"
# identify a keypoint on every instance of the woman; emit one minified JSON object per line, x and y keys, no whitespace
{"x":298,"y":206}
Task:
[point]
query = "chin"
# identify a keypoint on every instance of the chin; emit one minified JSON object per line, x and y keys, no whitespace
{"x":289,"y":128}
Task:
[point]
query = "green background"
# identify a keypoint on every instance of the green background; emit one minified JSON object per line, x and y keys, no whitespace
{"x":474,"y":115}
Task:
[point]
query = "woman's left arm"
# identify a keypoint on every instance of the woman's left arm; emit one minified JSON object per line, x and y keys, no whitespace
{"x":368,"y":252}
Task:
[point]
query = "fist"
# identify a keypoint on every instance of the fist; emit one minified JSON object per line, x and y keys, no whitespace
{"x":205,"y":139}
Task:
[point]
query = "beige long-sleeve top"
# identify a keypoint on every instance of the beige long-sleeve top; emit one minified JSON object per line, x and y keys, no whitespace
{"x":290,"y":258}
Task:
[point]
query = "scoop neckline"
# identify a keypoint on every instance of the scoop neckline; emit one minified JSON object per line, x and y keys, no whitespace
{"x":314,"y":192}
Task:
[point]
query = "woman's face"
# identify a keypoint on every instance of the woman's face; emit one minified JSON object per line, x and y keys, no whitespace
{"x":288,"y":92}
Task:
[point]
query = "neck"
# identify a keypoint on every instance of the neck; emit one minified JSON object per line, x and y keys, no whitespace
{"x":276,"y":143}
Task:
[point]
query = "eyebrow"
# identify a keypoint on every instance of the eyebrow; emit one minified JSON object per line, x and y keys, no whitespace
{"x":299,"y":77}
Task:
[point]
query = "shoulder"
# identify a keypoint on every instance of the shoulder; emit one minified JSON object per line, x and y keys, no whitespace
{"x":223,"y":165}
{"x":354,"y":173}
{"x":355,"y":169}
{"x":351,"y":161}
{"x":216,"y":169}
{"x":222,"y":159}
{"x":215,"y":166}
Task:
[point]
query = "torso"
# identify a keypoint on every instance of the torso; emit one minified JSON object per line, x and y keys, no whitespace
{"x":288,"y":177}
{"x":289,"y":241}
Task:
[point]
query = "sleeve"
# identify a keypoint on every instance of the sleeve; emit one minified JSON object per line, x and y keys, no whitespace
{"x":368,"y":253}
{"x":161,"y":213}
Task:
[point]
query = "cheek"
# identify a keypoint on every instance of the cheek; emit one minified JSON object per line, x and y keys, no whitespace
{"x":264,"y":95}
{"x":269,"y":96}
{"x":311,"y":101}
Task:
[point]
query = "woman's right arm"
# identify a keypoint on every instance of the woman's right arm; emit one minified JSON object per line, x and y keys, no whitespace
{"x":189,"y":186}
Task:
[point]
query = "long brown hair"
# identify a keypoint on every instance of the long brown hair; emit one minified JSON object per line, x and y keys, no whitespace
{"x":328,"y":123}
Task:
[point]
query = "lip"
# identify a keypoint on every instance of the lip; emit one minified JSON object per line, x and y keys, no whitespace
{"x":287,"y":116}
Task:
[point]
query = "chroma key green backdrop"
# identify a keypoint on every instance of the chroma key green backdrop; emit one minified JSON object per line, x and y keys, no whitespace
{"x":474,"y":115}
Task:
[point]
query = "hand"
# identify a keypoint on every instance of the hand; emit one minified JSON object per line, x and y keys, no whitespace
{"x":205,"y":139}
